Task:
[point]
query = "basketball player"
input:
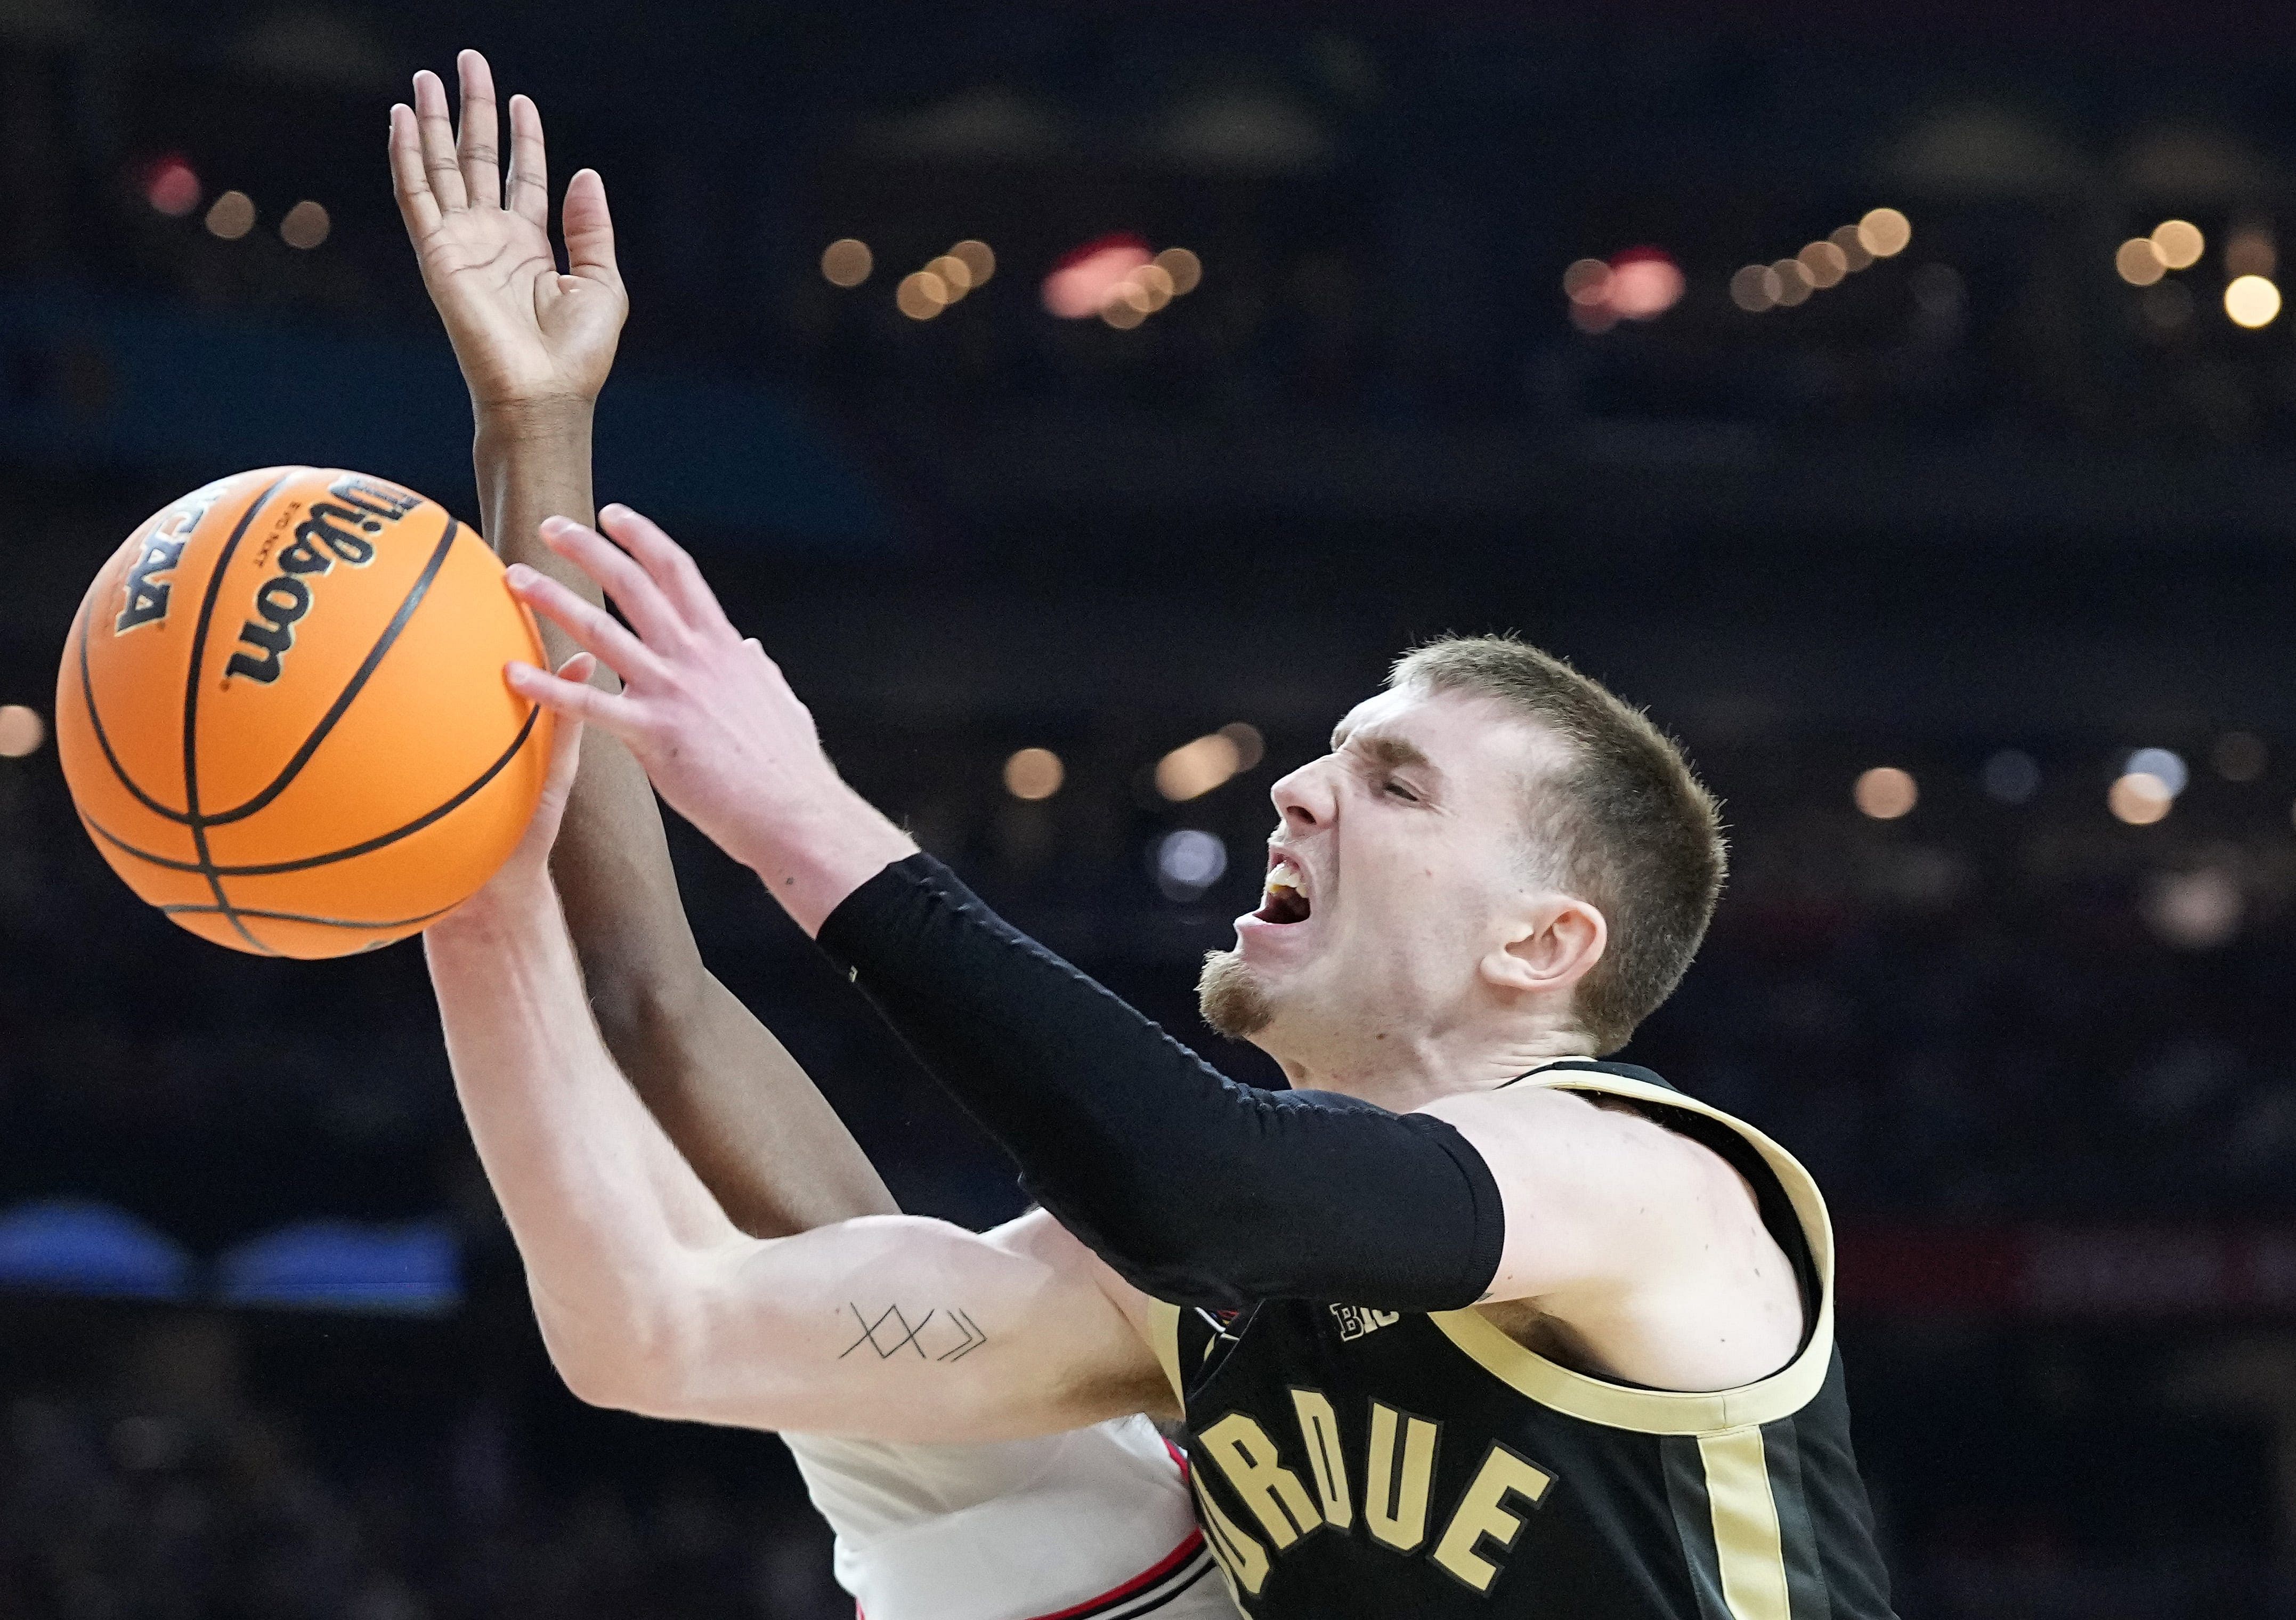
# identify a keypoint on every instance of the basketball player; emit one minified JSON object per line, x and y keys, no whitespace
{"x":1472,"y":1321}
{"x":1096,"y":1522}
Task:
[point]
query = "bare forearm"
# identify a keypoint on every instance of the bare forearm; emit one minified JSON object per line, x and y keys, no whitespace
{"x":604,"y":1213}
{"x":740,"y":1109}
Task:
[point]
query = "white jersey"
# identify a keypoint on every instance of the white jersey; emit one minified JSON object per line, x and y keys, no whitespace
{"x":1092,"y":1525}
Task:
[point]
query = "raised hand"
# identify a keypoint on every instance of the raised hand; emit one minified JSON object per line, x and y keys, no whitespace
{"x":710,"y":716}
{"x":527,"y":336}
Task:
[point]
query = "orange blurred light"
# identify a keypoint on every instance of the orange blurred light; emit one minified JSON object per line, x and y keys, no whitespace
{"x":2179,"y":243}
{"x":1827,"y":265}
{"x":1587,"y":280}
{"x":847,"y":262}
{"x":1853,"y":250}
{"x":21,"y":731}
{"x":1755,"y":289}
{"x":1886,"y":793}
{"x":2138,"y":262}
{"x":1034,"y":773}
{"x":2139,"y":798}
{"x":1794,"y":285}
{"x":922,"y":295}
{"x":1185,"y":270}
{"x":1885,"y":233}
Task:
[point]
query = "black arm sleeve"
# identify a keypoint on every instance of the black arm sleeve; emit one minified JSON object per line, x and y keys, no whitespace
{"x":1198,"y":1190}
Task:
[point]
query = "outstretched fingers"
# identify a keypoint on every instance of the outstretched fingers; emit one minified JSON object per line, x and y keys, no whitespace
{"x":477,"y":145}
{"x":436,"y":132}
{"x":667,"y":564}
{"x":408,"y":182}
{"x":571,"y":700}
{"x":529,"y":191}
{"x":650,"y":612}
{"x":591,"y":628}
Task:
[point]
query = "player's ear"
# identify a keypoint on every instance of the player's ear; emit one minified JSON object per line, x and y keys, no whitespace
{"x":1552,"y":944}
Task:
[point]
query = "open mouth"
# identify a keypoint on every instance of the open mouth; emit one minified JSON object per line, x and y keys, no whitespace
{"x":1286,"y":900}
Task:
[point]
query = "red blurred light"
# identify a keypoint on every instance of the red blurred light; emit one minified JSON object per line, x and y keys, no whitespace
{"x":170,"y":185}
{"x":1645,"y":283}
{"x":1087,"y":278}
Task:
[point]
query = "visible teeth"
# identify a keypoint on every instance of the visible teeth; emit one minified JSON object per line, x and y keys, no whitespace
{"x":1285,"y":877}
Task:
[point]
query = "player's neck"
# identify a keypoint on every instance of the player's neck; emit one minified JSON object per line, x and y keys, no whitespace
{"x":1403,"y":1070}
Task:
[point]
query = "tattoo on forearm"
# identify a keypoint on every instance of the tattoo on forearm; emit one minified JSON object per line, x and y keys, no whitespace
{"x":943,"y":1333}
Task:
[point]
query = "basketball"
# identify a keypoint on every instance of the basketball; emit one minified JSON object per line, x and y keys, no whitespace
{"x":283,"y":718}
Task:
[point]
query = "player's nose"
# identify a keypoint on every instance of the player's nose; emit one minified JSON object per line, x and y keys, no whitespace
{"x":1305,"y":798}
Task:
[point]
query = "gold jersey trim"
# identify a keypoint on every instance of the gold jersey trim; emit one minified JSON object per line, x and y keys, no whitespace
{"x":1164,"y":1339}
{"x":1664,"y":1411}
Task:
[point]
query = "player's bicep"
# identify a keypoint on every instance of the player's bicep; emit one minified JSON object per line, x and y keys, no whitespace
{"x":895,"y":1328}
{"x":1594,"y":1198}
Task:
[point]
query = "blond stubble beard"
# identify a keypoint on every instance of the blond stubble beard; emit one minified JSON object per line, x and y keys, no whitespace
{"x":1231,"y":997}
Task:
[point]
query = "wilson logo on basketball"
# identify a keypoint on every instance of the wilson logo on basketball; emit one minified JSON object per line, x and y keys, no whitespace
{"x":320,"y":540}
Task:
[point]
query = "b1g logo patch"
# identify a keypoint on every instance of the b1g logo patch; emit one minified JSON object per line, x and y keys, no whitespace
{"x":1358,"y":1321}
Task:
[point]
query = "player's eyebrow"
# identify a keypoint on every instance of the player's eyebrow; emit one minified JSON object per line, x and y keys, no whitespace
{"x":1392,"y":751}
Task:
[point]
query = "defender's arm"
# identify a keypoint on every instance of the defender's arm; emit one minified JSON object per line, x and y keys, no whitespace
{"x":535,"y":347}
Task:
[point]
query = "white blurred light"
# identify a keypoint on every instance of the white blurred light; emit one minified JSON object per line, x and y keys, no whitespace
{"x":2194,"y":911}
{"x":1884,"y":233}
{"x":1034,"y":773}
{"x":2139,"y":799}
{"x":1886,"y":793}
{"x":2012,"y":776}
{"x":1195,"y":768}
{"x":2252,"y":301}
{"x":1082,"y":284}
{"x":2167,"y":766}
{"x":1188,"y":862}
{"x":2179,"y":243}
{"x":21,"y":731}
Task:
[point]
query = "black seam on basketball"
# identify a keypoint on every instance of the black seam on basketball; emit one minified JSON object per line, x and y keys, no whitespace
{"x":273,"y":868}
{"x":407,"y":606}
{"x":192,"y":716}
{"x":103,"y":738}
{"x":297,"y":916}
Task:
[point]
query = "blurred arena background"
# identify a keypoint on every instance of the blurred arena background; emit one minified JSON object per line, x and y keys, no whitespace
{"x":1957,"y":543}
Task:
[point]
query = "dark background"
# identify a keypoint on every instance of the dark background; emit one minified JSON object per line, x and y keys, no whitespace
{"x":1984,"y":496}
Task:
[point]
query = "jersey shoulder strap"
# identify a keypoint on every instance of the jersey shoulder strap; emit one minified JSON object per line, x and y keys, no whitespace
{"x":1791,"y":1208}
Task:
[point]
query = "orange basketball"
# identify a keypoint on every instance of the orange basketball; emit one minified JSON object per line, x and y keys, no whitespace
{"x":282,"y":716}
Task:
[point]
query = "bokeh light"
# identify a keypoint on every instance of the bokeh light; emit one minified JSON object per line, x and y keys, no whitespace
{"x":171,"y":186}
{"x":1083,"y":283}
{"x":1886,"y":793}
{"x":1188,"y":862}
{"x":1853,"y":250}
{"x":847,"y":262}
{"x":232,"y":216}
{"x":2163,"y":765}
{"x":1755,"y":289}
{"x":21,"y":731}
{"x":1034,"y":773}
{"x":305,"y":225}
{"x":1185,"y":270}
{"x":2179,"y":243}
{"x":1195,"y":768}
{"x":922,"y":295}
{"x":1251,"y":747}
{"x":1885,"y":233}
{"x":2138,"y":799}
{"x":1794,"y":285}
{"x":1587,"y":280}
{"x":2249,"y":251}
{"x":979,"y":257}
{"x":955,"y":274}
{"x":2252,"y":301}
{"x":1645,"y":284}
{"x":2138,"y":262}
{"x":1827,"y":265}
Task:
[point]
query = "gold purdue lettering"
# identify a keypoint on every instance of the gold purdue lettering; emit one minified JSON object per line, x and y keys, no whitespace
{"x":1482,"y":1515}
{"x":1395,"y":1498}
{"x":1244,"y":1561}
{"x":1319,"y":1431}
{"x":1255,"y":1469}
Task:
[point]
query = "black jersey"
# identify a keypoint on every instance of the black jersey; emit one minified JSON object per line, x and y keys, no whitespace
{"x":1350,"y":1462}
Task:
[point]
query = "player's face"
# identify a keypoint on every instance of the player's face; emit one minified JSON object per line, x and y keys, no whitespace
{"x":1401,"y":863}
